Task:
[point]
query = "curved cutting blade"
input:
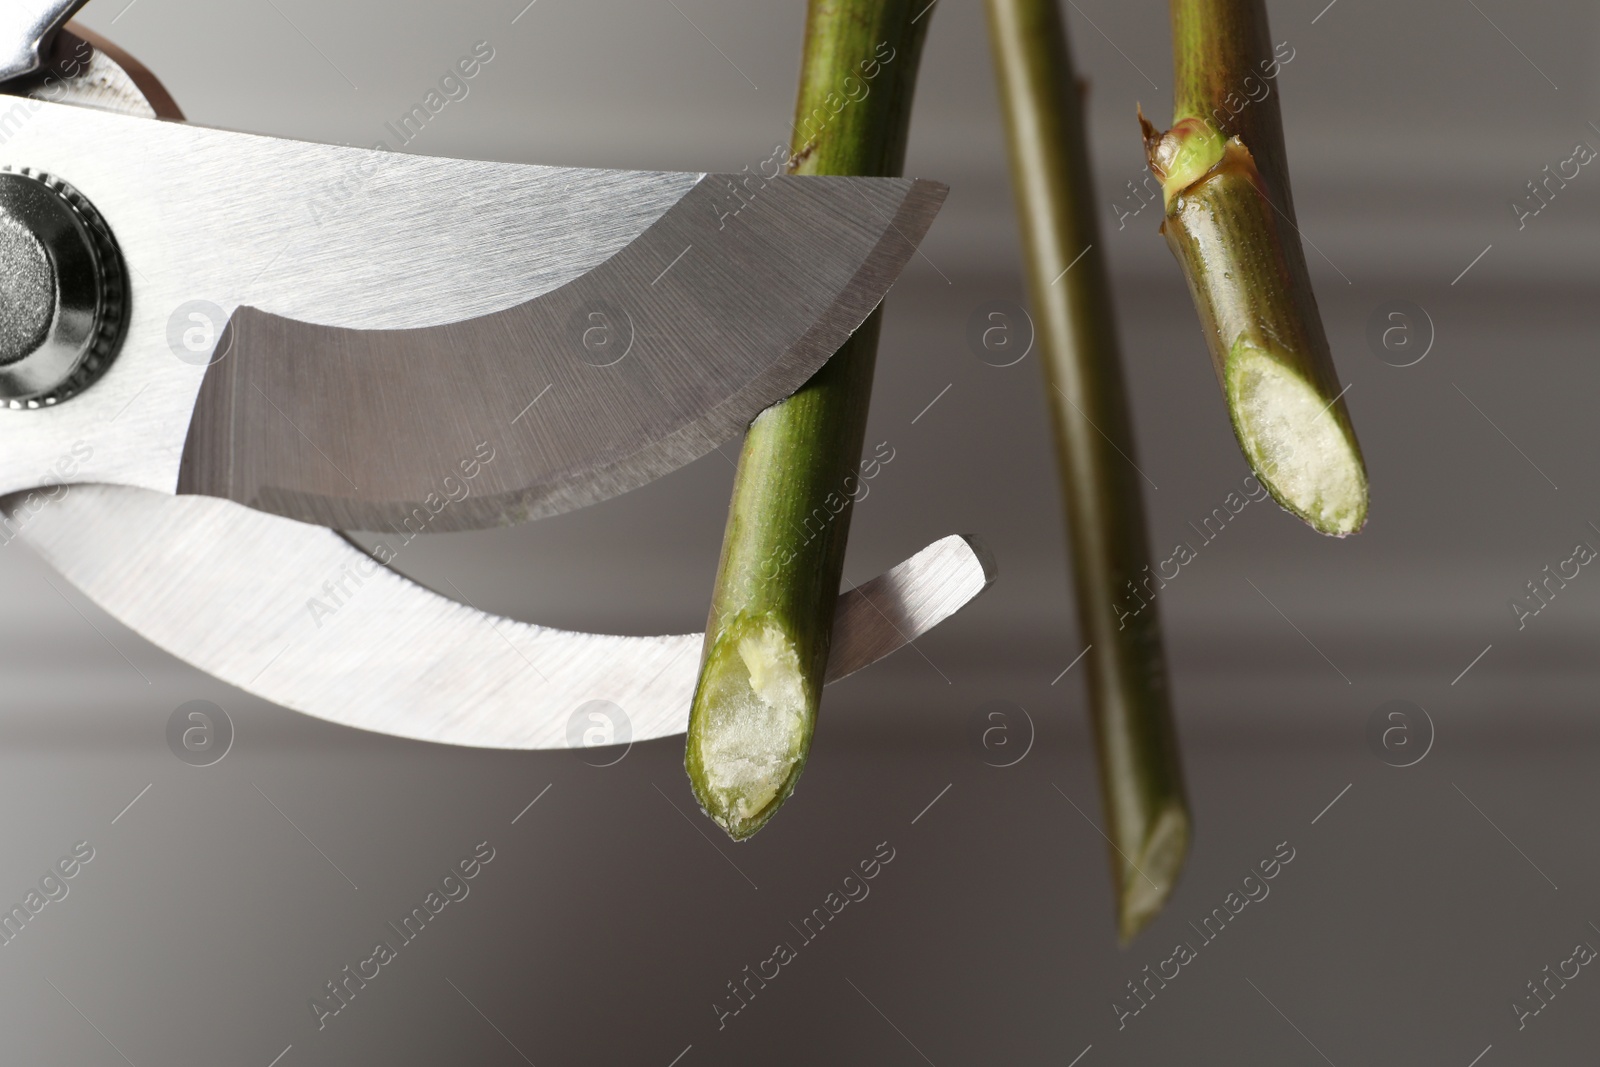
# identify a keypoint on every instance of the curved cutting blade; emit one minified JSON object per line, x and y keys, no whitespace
{"x":647,"y":361}
{"x":378,"y":324}
{"x":243,"y":595}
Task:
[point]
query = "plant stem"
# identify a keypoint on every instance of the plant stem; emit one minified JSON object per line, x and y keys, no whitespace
{"x":1075,"y":330}
{"x":1230,"y":223}
{"x":767,"y":639}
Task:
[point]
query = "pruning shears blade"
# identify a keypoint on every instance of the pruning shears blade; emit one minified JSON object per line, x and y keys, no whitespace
{"x":300,"y":616}
{"x":338,"y":335}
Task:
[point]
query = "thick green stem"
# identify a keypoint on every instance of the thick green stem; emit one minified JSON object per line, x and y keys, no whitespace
{"x":768,"y":635}
{"x":1141,"y":779}
{"x":1230,"y":223}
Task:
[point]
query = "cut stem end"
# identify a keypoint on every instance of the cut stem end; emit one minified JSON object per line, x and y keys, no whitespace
{"x":1155,"y":872}
{"x":1261,"y":325}
{"x":1295,"y":442}
{"x":751,"y":725}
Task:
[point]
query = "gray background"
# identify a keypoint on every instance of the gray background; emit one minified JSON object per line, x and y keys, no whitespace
{"x":1416,"y":907}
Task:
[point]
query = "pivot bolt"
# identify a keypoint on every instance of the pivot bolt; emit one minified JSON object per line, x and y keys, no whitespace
{"x":63,"y":292}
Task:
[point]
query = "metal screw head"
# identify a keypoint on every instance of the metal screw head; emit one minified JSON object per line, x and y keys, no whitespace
{"x":63,"y":302}
{"x":30,"y":291}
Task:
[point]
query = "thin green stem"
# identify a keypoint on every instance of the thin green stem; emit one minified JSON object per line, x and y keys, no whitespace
{"x":1136,"y":743}
{"x":1230,"y":222}
{"x":767,"y":639}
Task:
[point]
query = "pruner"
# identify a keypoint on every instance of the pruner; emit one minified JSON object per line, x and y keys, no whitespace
{"x":219,"y":349}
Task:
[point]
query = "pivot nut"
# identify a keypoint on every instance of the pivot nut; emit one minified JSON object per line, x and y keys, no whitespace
{"x":63,"y":291}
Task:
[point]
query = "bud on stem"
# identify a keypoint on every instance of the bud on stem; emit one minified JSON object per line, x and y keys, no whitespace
{"x":1230,"y":223}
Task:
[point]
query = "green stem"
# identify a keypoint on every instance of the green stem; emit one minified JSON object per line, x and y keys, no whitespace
{"x":1140,"y":775}
{"x":1230,"y":222}
{"x":767,"y":639}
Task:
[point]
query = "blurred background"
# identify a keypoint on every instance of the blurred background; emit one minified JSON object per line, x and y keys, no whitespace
{"x":1421,"y":899}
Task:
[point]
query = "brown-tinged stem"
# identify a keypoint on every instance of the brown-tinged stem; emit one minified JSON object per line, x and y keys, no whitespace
{"x":1230,"y":222}
{"x":1147,"y":819}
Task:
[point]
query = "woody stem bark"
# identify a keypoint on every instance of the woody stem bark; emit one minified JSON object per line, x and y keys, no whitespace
{"x":1147,"y":820}
{"x":1230,"y":222}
